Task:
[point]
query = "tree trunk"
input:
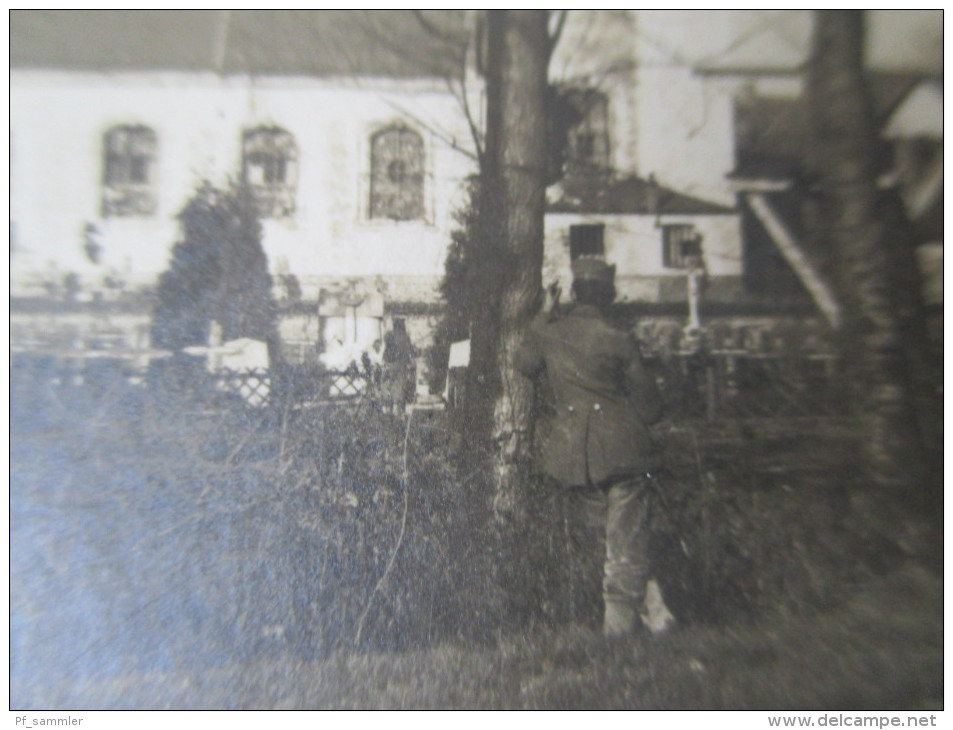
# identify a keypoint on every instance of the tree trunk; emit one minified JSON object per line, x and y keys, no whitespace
{"x":877,"y":351}
{"x":507,"y":268}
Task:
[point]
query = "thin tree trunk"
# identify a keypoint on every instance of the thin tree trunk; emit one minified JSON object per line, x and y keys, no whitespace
{"x":507,"y":269}
{"x":877,"y":350}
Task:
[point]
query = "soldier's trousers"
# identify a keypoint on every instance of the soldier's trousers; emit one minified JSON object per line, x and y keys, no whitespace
{"x":621,"y":508}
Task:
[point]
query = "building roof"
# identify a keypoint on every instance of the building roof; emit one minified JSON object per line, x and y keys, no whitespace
{"x":772,"y":42}
{"x":920,"y":114}
{"x":394,"y":43}
{"x":630,"y":195}
{"x":773,"y":134}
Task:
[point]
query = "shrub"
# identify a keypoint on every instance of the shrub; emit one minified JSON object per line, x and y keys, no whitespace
{"x":218,"y":272}
{"x":454,"y":322}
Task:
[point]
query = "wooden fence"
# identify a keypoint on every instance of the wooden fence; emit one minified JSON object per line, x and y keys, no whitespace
{"x":744,"y":384}
{"x":102,"y":372}
{"x":712,"y":384}
{"x":281,"y":388}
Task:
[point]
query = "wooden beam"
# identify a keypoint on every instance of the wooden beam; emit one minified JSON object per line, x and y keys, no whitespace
{"x":788,"y":246}
{"x":758,"y":185}
{"x":923,"y":193}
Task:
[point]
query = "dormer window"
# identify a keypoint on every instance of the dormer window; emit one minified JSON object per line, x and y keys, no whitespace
{"x":271,"y":170}
{"x":397,"y":175}
{"x":129,"y":157}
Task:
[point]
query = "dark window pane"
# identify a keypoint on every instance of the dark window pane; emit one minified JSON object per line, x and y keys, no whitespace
{"x":128,"y":155}
{"x":397,"y":171}
{"x":115,"y":170}
{"x":397,"y":179}
{"x":586,"y":240}
{"x":269,"y":154}
{"x":139,"y":170}
{"x":679,"y":243}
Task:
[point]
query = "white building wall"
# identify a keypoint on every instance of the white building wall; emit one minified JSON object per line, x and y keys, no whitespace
{"x":686,"y":119}
{"x":634,"y":244}
{"x":664,"y":120}
{"x":58,"y":122}
{"x":686,"y":132}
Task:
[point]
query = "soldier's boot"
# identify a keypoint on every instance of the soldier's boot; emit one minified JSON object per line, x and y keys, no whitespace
{"x":621,"y":619}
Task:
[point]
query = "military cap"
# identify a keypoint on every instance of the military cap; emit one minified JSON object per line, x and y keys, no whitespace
{"x":590,"y":268}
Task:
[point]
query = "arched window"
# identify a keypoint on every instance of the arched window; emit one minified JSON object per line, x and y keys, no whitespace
{"x":270,"y":169}
{"x":589,"y":139}
{"x":129,"y":155}
{"x":397,"y":174}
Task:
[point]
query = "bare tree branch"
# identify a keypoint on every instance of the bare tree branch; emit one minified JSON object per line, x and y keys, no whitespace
{"x":454,"y":43}
{"x":480,"y":39}
{"x":557,"y":32}
{"x":464,"y":101}
{"x":474,"y":127}
{"x":433,"y":30}
{"x":443,"y":136}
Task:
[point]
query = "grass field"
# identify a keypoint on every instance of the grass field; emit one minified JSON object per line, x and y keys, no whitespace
{"x":882,"y":651}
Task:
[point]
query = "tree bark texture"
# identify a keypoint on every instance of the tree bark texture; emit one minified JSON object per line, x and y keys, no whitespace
{"x":507,"y":268}
{"x":874,"y":266}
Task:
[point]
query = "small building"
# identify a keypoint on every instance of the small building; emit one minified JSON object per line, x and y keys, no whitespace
{"x":783,"y":244}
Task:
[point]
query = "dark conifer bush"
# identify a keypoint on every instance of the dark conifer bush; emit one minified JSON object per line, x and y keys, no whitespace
{"x":218,"y":271}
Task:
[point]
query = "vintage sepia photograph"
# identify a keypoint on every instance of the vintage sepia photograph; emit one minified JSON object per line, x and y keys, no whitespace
{"x":476,"y":360}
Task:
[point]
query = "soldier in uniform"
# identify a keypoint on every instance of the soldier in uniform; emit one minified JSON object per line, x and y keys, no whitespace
{"x":595,"y":439}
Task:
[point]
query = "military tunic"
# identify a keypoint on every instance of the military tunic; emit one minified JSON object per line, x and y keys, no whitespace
{"x":604,"y":400}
